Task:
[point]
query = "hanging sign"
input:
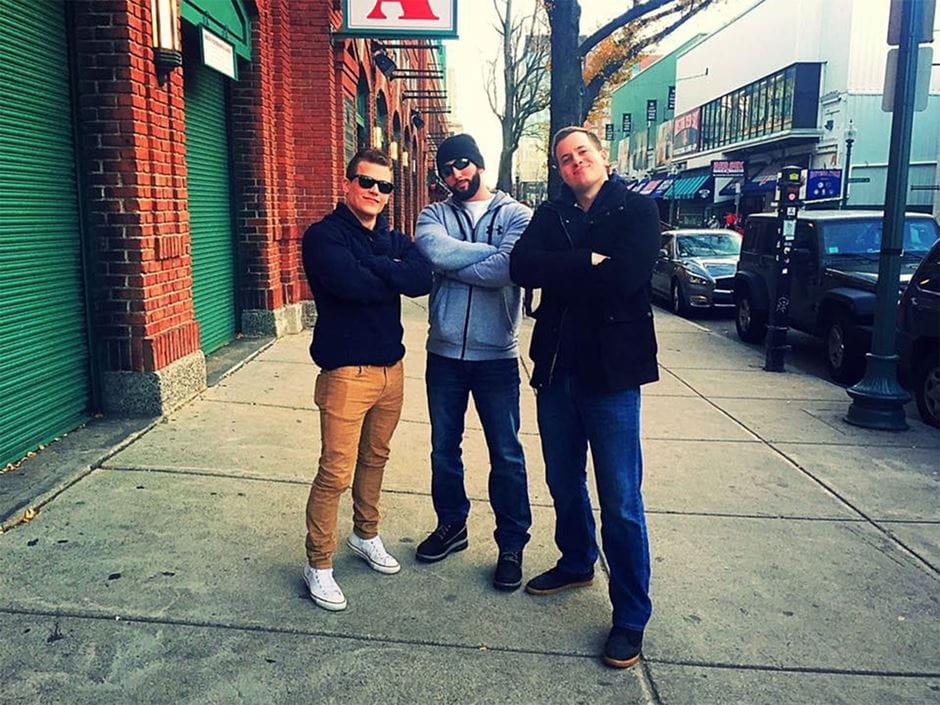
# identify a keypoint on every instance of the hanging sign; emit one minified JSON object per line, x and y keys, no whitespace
{"x":609,"y":131}
{"x":416,"y":19}
{"x":218,"y":54}
{"x":651,"y":111}
{"x":626,"y":124}
{"x":671,"y":104}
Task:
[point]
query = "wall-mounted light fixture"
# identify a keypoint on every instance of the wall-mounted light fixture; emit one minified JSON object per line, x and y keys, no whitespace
{"x":165,"y":18}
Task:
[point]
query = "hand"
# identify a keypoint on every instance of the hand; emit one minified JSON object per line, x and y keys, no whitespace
{"x":597,"y":258}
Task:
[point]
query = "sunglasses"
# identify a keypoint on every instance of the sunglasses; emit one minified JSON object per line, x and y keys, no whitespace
{"x":457,"y":164}
{"x":368,"y":182}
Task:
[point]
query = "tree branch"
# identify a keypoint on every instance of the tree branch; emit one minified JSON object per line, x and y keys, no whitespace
{"x":635,"y":12}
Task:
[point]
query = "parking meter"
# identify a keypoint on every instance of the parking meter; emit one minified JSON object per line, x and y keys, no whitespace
{"x":789,"y":182}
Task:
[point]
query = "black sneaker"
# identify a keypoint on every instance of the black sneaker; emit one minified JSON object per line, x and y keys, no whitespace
{"x":623,"y":647}
{"x":556,"y":580}
{"x":444,"y":540}
{"x":508,"y":575}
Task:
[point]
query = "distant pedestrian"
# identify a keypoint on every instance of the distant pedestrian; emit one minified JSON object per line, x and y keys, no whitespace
{"x":357,"y":271}
{"x":591,"y":251}
{"x":473,"y":349}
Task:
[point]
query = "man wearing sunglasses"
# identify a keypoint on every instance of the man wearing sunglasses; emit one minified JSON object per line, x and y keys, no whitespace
{"x":473,"y":349}
{"x":357,"y":271}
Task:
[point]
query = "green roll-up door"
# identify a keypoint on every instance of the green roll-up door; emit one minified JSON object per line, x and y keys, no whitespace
{"x":210,"y":206}
{"x":44,"y":365}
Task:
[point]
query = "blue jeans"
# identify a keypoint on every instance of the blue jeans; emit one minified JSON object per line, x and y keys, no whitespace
{"x":570,"y":419}
{"x":495,"y":388}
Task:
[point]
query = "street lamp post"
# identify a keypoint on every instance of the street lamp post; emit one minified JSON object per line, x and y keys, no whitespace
{"x":878,"y":400}
{"x":847,"y":171}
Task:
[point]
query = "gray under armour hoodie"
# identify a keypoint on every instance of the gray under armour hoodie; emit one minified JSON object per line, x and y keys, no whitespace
{"x":475,"y":307}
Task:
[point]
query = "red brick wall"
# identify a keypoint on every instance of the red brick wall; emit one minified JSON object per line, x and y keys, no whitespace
{"x":288,"y":165}
{"x":133,"y":158}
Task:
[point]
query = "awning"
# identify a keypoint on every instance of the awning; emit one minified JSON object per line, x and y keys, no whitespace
{"x":766,"y":180}
{"x":650,"y":187}
{"x":664,"y":186}
{"x":639,"y":185}
{"x":687,"y":187}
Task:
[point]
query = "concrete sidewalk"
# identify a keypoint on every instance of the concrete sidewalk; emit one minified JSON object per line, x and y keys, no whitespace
{"x":795,"y":558}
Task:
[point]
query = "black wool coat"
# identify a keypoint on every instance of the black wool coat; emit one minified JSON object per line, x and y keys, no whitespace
{"x":600,"y":312}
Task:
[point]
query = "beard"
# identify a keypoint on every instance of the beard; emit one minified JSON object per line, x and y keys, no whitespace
{"x":471,"y":189}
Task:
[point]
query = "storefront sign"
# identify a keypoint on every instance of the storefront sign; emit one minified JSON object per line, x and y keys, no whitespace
{"x":400,"y":18}
{"x":685,"y":132}
{"x":218,"y":54}
{"x":651,"y":111}
{"x":823,"y":183}
{"x":672,"y":98}
{"x":626,"y":124}
{"x":727,"y":167}
{"x":609,"y":131}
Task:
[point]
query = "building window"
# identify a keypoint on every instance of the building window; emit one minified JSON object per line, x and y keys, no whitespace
{"x":761,"y":108}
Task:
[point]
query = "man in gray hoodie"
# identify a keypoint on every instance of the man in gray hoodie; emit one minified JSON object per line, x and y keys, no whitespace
{"x":473,"y":349}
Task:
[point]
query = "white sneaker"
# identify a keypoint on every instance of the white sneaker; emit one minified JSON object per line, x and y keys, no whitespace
{"x":373,"y":552}
{"x":323,"y":588}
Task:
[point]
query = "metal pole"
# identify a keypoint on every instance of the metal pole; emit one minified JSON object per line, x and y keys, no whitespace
{"x":878,"y":400}
{"x":849,"y":141}
{"x":737,"y":202}
{"x":788,"y":206}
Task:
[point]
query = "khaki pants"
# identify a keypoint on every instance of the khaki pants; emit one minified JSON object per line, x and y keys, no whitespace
{"x":359,"y":410}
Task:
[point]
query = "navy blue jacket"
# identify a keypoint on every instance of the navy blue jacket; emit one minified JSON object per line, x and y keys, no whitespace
{"x":597,"y":316}
{"x":357,"y":277}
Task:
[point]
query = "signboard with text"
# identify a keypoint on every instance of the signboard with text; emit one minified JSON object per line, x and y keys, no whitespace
{"x":671,"y":101}
{"x":685,"y":132}
{"x":609,"y":131}
{"x":728,"y":167}
{"x":415,"y":19}
{"x":651,"y":111}
{"x":626,"y":124}
{"x":823,"y":183}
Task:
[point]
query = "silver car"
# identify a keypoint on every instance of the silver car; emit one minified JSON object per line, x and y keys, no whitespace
{"x":695,"y":269}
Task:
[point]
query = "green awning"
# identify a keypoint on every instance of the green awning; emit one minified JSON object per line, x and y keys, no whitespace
{"x":687,"y":186}
{"x":226,"y":18}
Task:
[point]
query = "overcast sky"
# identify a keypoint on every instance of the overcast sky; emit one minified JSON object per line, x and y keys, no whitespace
{"x":479,"y":42}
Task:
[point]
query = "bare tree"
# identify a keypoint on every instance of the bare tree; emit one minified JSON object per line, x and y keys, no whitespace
{"x":575,"y":91}
{"x":523,"y":90}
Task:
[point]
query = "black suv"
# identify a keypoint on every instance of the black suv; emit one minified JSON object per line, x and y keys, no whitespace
{"x":834,"y":270}
{"x":919,"y":336}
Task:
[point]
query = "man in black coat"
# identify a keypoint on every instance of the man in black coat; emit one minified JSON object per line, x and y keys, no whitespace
{"x":591,"y":252}
{"x":357,"y":271}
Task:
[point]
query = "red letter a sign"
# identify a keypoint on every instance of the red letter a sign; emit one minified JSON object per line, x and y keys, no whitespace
{"x":411,"y":10}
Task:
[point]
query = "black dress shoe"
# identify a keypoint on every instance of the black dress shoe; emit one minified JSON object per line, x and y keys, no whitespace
{"x":623,"y":647}
{"x":556,"y":580}
{"x":508,"y":574}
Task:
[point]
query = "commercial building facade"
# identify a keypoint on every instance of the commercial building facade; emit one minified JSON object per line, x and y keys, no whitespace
{"x":808,"y":94}
{"x":151,"y":213}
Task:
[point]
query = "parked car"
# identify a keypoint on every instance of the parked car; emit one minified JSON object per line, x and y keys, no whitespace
{"x":695,"y":269}
{"x":834,"y":271}
{"x":919,"y":336}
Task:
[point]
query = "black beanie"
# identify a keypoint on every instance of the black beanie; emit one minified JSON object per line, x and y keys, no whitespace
{"x":456,"y":147}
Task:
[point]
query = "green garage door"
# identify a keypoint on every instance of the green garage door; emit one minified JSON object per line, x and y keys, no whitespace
{"x":44,"y":365}
{"x":210,"y":206}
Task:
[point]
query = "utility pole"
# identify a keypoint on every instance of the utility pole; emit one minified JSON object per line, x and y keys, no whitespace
{"x":878,"y":400}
